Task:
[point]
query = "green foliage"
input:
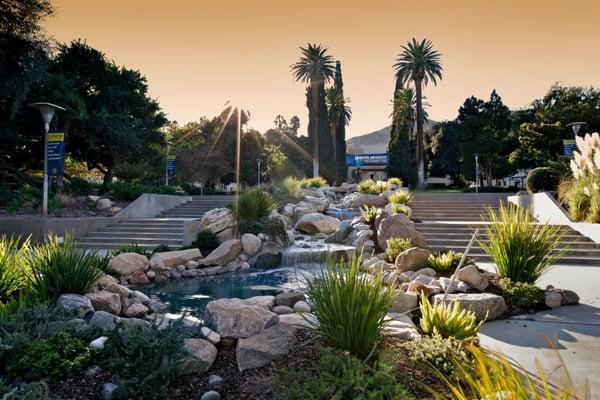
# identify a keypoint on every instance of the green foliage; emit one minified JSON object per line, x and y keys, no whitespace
{"x":369,"y":186}
{"x":131,"y":248}
{"x":400,"y":197}
{"x":317,"y":182}
{"x":206,"y":240}
{"x":161,"y":248}
{"x":337,"y":375}
{"x":541,"y":179}
{"x":80,"y":186}
{"x":582,"y":197}
{"x":447,"y":320}
{"x":286,"y":189}
{"x":131,"y":191}
{"x":395,"y":246}
{"x":273,"y":227}
{"x":27,"y":391}
{"x":401,"y":146}
{"x":369,"y":213}
{"x":130,"y":172}
{"x":365,"y":185}
{"x":14,"y":269}
{"x":56,"y":357}
{"x":254,"y":205}
{"x":400,"y":209}
{"x":144,"y":359}
{"x":444,"y":261}
{"x":522,"y":295}
{"x":63,"y":268}
{"x":394,"y":181}
{"x":364,"y":300}
{"x":521,"y":249}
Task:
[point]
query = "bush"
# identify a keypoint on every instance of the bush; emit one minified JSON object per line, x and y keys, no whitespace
{"x":447,"y":320}
{"x":64,"y":200}
{"x":401,"y":209}
{"x":57,"y":269}
{"x":523,"y":295}
{"x":27,"y":391}
{"x":541,"y":179}
{"x":395,"y":246}
{"x":206,"y":241}
{"x":582,"y":197}
{"x":365,"y":186}
{"x":444,"y":261}
{"x":337,"y":375}
{"x":161,"y":248}
{"x":369,"y":213}
{"x":254,"y":205}
{"x":394,"y":181}
{"x":521,"y":249}
{"x":286,"y":189}
{"x":14,"y":270}
{"x":79,"y":186}
{"x":144,"y":359}
{"x":130,"y":172}
{"x":317,"y":182}
{"x":132,"y":248}
{"x":400,"y":197}
{"x":349,"y":306}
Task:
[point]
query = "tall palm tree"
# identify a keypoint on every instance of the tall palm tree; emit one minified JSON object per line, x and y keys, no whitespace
{"x":316,"y":67}
{"x":420,"y":63}
{"x":338,"y":112}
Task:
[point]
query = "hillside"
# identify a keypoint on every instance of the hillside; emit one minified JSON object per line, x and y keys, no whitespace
{"x":378,"y":139}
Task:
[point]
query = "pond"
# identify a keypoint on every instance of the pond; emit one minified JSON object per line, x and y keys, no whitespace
{"x":189,"y":296}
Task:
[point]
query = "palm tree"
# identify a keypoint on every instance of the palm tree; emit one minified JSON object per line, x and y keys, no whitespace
{"x":420,"y":63}
{"x":338,"y":111}
{"x":315,"y":66}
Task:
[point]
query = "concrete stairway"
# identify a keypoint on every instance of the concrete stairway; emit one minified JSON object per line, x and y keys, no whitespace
{"x":166,"y":228}
{"x":435,"y":206}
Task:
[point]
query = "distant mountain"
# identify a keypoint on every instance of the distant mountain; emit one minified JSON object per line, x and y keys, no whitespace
{"x":376,"y":141}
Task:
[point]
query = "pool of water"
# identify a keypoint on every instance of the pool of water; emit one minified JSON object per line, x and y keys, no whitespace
{"x":189,"y":296}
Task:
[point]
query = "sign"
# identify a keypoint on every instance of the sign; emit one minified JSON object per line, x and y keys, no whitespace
{"x":56,"y":151}
{"x":360,"y":160}
{"x":171,"y":165}
{"x":568,"y":147}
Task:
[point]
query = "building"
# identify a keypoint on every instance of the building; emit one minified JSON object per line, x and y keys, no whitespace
{"x":367,"y":166}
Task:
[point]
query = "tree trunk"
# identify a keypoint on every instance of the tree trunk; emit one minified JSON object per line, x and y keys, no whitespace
{"x":420,"y":138}
{"x":335,"y":156}
{"x":108,"y":177}
{"x":314,"y":121}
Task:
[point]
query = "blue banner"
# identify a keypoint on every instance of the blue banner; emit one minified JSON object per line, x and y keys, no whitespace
{"x":359,"y":160}
{"x":171,"y":165}
{"x":56,"y":152}
{"x":568,"y":147}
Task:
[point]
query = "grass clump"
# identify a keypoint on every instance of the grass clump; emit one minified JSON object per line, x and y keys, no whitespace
{"x":444,"y":261}
{"x":206,"y":240}
{"x":132,"y":248}
{"x":286,"y":189}
{"x":447,"y":320}
{"x":315,"y":183}
{"x":253,"y":205}
{"x":368,"y":213}
{"x":400,"y":197}
{"x":14,"y":270}
{"x":521,"y":249}
{"x":349,"y":306}
{"x":522,"y":295}
{"x":369,"y":186}
{"x":394,"y":181}
{"x":395,"y":246}
{"x":401,"y":209}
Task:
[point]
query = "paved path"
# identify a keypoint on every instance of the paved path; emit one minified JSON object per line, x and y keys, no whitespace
{"x":570,"y":333}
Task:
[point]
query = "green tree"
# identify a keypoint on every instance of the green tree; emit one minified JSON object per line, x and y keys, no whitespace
{"x":537,"y":144}
{"x":399,"y":149}
{"x":445,"y":158}
{"x":339,"y":115}
{"x":566,"y":104}
{"x":419,"y":62}
{"x":314,"y":67}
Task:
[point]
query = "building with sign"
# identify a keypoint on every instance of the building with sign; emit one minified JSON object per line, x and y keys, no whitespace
{"x":367,"y":166}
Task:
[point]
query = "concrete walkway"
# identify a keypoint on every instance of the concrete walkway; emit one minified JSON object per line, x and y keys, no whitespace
{"x":568,"y":336}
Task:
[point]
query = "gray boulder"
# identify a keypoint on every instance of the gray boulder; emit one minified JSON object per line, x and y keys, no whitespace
{"x":75,"y":304}
{"x":201,"y":355}
{"x":126,"y":264}
{"x":341,"y":233}
{"x":226,"y":252}
{"x":482,"y":304}
{"x":269,"y":256}
{"x":398,"y":226}
{"x":259,"y":350}
{"x":317,"y":223}
{"x":405,"y":302}
{"x":412,"y":259}
{"x":250,"y":243}
{"x":234,"y":318}
{"x":471,"y":275}
{"x":288,"y":299}
{"x":104,"y":320}
{"x":356,"y":200}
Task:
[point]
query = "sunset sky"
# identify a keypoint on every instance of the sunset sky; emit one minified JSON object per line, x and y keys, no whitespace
{"x":199,"y":54}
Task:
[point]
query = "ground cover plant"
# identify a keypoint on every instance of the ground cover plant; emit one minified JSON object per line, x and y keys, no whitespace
{"x":447,"y":320}
{"x":368,"y":213}
{"x":400,"y":209}
{"x":523,"y":295}
{"x":14,"y":270}
{"x":444,"y":261}
{"x":132,"y":248}
{"x":394,"y":181}
{"x":395,"y":246}
{"x":286,"y":189}
{"x":317,"y":182}
{"x":206,"y":240}
{"x":369,"y":186}
{"x":400,"y":197}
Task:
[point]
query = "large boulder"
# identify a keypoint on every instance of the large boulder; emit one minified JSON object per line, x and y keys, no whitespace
{"x":259,"y":350}
{"x":269,"y":256}
{"x":356,"y":200}
{"x":321,"y":204}
{"x":218,"y":220}
{"x":317,"y":223}
{"x":412,"y":259}
{"x":201,"y":355}
{"x":170,"y":259}
{"x":105,"y":301}
{"x":485,"y":305}
{"x":126,"y":264}
{"x":341,"y":233}
{"x":471,"y":275}
{"x":234,"y":318}
{"x":250,"y":243}
{"x":398,"y":226}
{"x":266,"y":302}
{"x":226,"y":252}
{"x":405,"y":302}
{"x":75,"y":304}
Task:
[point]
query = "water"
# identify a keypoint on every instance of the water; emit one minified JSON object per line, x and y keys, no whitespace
{"x":313,"y":252}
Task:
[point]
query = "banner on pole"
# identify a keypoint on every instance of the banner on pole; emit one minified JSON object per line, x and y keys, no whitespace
{"x":568,"y":147}
{"x":171,"y":165}
{"x":56,"y":153}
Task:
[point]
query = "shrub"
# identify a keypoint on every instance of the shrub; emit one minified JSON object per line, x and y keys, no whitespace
{"x":400,"y":197}
{"x":275,"y":229}
{"x":64,"y":200}
{"x":130,"y":172}
{"x":27,"y":391}
{"x":394,"y":181}
{"x":401,"y":209}
{"x":206,"y":241}
{"x":395,"y":246}
{"x":58,"y":269}
{"x":369,"y":213}
{"x":132,"y":248}
{"x":523,"y":295}
{"x":254,"y":205}
{"x":521,"y":249}
{"x":144,"y":359}
{"x":287,"y":188}
{"x":337,"y":375}
{"x":317,"y":182}
{"x":365,"y":186}
{"x":447,"y":320}
{"x":161,"y":248}
{"x":79,"y":186}
{"x":444,"y":261}
{"x":14,"y":270}
{"x":541,"y":179}
{"x":349,"y":306}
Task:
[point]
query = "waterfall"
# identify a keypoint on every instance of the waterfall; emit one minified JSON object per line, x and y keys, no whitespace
{"x":313,"y":253}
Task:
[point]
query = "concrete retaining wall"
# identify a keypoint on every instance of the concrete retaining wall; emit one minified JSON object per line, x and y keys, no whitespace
{"x":150,"y":205}
{"x":39,"y":227}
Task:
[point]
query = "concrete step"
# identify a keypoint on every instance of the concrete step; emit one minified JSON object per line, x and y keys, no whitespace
{"x":149,"y":229}
{"x":131,"y":239}
{"x":570,"y":238}
{"x":118,"y":245}
{"x":463,"y":242}
{"x":128,"y":234}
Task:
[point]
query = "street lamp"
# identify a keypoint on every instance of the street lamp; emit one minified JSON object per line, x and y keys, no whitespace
{"x":576,"y":126}
{"x":258,"y":161}
{"x":169,"y":144}
{"x":476,"y":172}
{"x":47,"y":111}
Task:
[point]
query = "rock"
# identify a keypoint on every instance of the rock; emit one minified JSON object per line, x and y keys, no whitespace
{"x":75,"y":304}
{"x":259,"y":350}
{"x":134,"y":324}
{"x":136,"y":311}
{"x":356,"y":200}
{"x":106,"y":280}
{"x":269,"y":256}
{"x":76,"y":326}
{"x":362,"y":237}
{"x":170,"y":259}
{"x":480,"y":303}
{"x":401,"y":326}
{"x":304,"y":320}
{"x":104,"y":204}
{"x":210,"y":335}
{"x":553,"y":299}
{"x":425,"y":279}
{"x":108,"y":391}
{"x":98,"y":344}
{"x":217,"y":220}
{"x":406,"y":276}
{"x":456,"y":286}
{"x":398,"y":226}
{"x":471,"y":275}
{"x":226,"y":252}
{"x":139,"y":278}
{"x":412,"y":259}
{"x":121,"y":290}
{"x":378,"y":267}
{"x":151,"y":274}
{"x":210,"y":395}
{"x":92,"y":371}
{"x":141,"y":297}
{"x":302,"y":306}
{"x":282,"y":310}
{"x":201,"y":356}
{"x":214,"y":380}
{"x":225,"y":235}
{"x":250,"y":243}
{"x":314,"y":192}
{"x":405,"y":302}
{"x":341,"y":233}
{"x":426,"y":271}
{"x":191,"y":264}
{"x":569,"y":297}
{"x":317,"y":223}
{"x":104,"y":320}
{"x":266,"y":302}
{"x":105,"y":301}
{"x":92,"y":199}
{"x":126,"y":264}
{"x":235,"y":318}
{"x":289,"y":298}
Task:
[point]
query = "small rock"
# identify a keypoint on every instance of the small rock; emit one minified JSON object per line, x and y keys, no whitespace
{"x":289,"y":298}
{"x":141,"y":296}
{"x":471,"y":275}
{"x":237,"y":319}
{"x":426,"y":271}
{"x":151,"y":274}
{"x":210,"y":335}
{"x":105,"y":301}
{"x":412,"y":259}
{"x":482,"y":304}
{"x":98,"y":344}
{"x":405,"y":302}
{"x":103,"y":320}
{"x":104,"y":204}
{"x":250,"y":243}
{"x":456,"y":286}
{"x":211,"y":395}
{"x":75,"y":304}
{"x":553,"y":299}
{"x":266,"y":302}
{"x":136,"y":311}
{"x":108,"y":391}
{"x":92,"y":371}
{"x":214,"y":380}
{"x":202,"y":355}
{"x":302,"y":306}
{"x":282,"y":310}
{"x":257,"y":351}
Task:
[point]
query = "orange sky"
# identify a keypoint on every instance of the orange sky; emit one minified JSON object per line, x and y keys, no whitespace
{"x":199,"y":54}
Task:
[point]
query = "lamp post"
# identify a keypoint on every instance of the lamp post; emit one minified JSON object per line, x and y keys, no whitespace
{"x":476,"y":172}
{"x":258,"y":161}
{"x":47,"y":111}
{"x":576,"y":126}
{"x":169,"y":144}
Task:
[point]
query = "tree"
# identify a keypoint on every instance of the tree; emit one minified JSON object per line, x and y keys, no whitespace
{"x":315,"y":67}
{"x":537,"y":144}
{"x":339,"y":115}
{"x":399,"y":149}
{"x":419,"y":62}
{"x":445,"y":158}
{"x":566,"y":104}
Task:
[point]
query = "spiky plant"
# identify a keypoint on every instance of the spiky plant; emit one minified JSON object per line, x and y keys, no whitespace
{"x":368,"y":213}
{"x":447,"y":320}
{"x":400,"y":197}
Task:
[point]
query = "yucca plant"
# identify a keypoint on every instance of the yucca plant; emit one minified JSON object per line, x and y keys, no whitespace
{"x":14,"y":269}
{"x":254,"y":205}
{"x":395,"y":246}
{"x":521,"y":249}
{"x":442,"y":262}
{"x":447,"y":320}
{"x":62,"y":268}
{"x":400,"y":197}
{"x":349,"y":306}
{"x":369,"y":213}
{"x":394,"y":181}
